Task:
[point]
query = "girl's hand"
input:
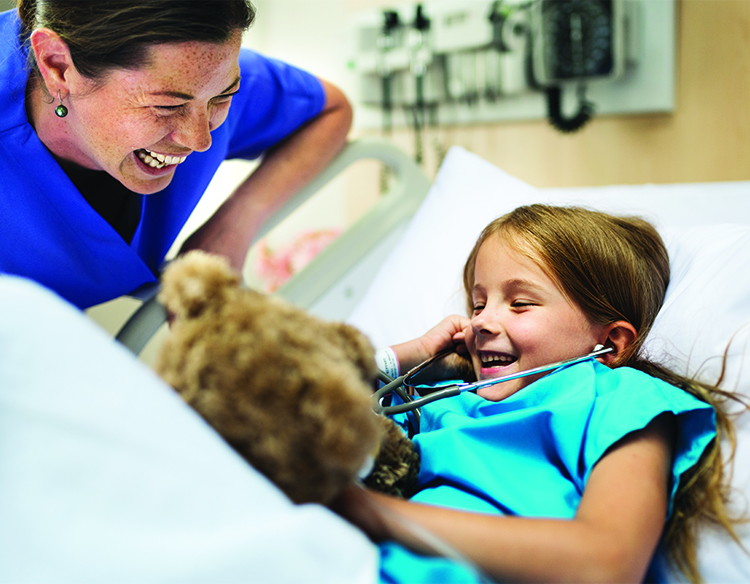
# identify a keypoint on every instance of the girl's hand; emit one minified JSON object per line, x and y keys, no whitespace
{"x":448,"y":334}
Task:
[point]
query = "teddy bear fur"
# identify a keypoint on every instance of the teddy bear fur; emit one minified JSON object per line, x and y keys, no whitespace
{"x":288,"y":391}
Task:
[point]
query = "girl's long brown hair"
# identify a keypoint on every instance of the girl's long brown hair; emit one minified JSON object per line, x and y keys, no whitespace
{"x":617,"y":268}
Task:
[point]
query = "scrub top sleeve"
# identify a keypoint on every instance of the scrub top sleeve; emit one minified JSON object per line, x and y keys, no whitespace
{"x":273,"y":101}
{"x":629,"y":401}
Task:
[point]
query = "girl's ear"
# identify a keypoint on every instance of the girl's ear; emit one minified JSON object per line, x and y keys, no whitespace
{"x":53,"y":59}
{"x":618,"y":335}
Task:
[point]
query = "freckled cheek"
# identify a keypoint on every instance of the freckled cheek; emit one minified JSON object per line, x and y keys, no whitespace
{"x":139,"y":135}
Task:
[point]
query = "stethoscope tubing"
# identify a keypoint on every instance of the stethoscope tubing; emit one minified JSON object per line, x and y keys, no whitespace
{"x":411,"y":403}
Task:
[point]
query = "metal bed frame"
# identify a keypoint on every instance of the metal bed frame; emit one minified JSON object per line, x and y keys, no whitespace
{"x":335,"y":280}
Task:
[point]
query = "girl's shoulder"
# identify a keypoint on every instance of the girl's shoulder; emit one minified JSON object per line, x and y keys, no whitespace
{"x":627,"y":400}
{"x":629,"y":385}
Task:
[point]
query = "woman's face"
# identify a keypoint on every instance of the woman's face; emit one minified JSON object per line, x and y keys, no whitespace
{"x":139,"y":124}
{"x":521,"y":319}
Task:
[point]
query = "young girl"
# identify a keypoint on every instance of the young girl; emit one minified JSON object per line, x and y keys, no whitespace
{"x":569,"y":475}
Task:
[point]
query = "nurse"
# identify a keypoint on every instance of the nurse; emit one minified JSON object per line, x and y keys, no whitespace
{"x":116,"y":114}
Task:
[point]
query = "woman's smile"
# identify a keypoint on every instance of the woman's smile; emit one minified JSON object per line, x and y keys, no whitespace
{"x":158,"y":161}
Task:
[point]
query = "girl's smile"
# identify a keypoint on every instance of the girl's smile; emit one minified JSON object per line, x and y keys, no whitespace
{"x":494,"y":364}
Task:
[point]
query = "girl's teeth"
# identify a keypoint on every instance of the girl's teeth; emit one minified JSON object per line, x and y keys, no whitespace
{"x":496,"y":361}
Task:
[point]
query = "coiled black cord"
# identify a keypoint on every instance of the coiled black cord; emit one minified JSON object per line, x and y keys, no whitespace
{"x":556,"y":117}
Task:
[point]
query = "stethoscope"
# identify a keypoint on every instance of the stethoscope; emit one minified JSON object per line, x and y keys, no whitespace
{"x":402,"y":384}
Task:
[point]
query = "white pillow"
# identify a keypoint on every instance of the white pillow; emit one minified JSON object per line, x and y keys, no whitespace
{"x":106,"y":475}
{"x":707,"y":304}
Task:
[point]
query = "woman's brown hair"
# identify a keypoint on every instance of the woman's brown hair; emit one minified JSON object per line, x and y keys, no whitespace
{"x":107,"y":34}
{"x":617,"y":268}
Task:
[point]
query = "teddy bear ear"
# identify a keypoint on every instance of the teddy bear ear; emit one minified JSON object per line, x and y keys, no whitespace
{"x":196,"y":281}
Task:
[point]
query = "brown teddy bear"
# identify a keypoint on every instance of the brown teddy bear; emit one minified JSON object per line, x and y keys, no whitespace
{"x":288,"y":391}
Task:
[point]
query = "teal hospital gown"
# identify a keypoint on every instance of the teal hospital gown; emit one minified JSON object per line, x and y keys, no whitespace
{"x":532,"y":453}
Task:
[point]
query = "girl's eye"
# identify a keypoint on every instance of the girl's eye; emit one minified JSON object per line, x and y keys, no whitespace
{"x":478,"y":308}
{"x":521,"y":303}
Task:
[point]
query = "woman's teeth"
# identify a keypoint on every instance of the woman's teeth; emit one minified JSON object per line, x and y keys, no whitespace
{"x":156,"y":160}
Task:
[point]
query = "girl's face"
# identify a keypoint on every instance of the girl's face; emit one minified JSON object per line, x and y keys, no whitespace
{"x":167,"y":108}
{"x":521,"y":320}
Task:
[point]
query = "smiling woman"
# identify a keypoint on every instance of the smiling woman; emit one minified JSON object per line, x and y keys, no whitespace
{"x":129,"y":107}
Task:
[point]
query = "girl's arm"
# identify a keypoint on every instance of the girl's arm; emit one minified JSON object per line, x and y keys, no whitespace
{"x":611,"y":539}
{"x":285,"y":169}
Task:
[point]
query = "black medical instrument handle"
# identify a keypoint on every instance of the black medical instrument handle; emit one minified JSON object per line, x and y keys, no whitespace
{"x":386,"y":103}
{"x":390,"y":23}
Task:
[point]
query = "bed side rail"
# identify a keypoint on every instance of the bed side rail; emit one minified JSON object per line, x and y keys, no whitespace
{"x":407,"y":189}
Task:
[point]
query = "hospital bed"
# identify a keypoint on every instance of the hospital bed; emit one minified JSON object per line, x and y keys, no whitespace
{"x":394,"y":274}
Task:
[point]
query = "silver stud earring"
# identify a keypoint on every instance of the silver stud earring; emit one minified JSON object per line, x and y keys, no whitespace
{"x":60,"y":111}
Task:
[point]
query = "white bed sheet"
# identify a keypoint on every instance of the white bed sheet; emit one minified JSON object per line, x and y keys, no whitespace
{"x":706,"y":228}
{"x":106,"y":475}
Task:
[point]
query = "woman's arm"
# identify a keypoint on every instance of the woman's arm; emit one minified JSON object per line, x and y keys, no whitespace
{"x":611,"y":539}
{"x":285,"y":169}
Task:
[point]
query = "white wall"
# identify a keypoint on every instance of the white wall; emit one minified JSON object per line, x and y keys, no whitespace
{"x":310,"y":34}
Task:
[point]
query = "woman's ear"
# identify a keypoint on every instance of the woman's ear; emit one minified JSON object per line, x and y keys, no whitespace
{"x":618,"y":335}
{"x":53,"y":59}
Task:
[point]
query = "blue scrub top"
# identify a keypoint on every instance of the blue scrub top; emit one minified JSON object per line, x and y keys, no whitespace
{"x":532,"y":453}
{"x":50,"y":233}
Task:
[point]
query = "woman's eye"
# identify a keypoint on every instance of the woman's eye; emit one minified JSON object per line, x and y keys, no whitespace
{"x":166,"y":110}
{"x":220,"y":105}
{"x":221,"y":100}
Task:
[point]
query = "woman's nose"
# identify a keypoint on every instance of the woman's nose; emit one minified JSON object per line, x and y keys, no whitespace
{"x":194,"y":132}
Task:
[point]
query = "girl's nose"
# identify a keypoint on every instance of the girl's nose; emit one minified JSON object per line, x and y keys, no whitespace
{"x":485,"y":323}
